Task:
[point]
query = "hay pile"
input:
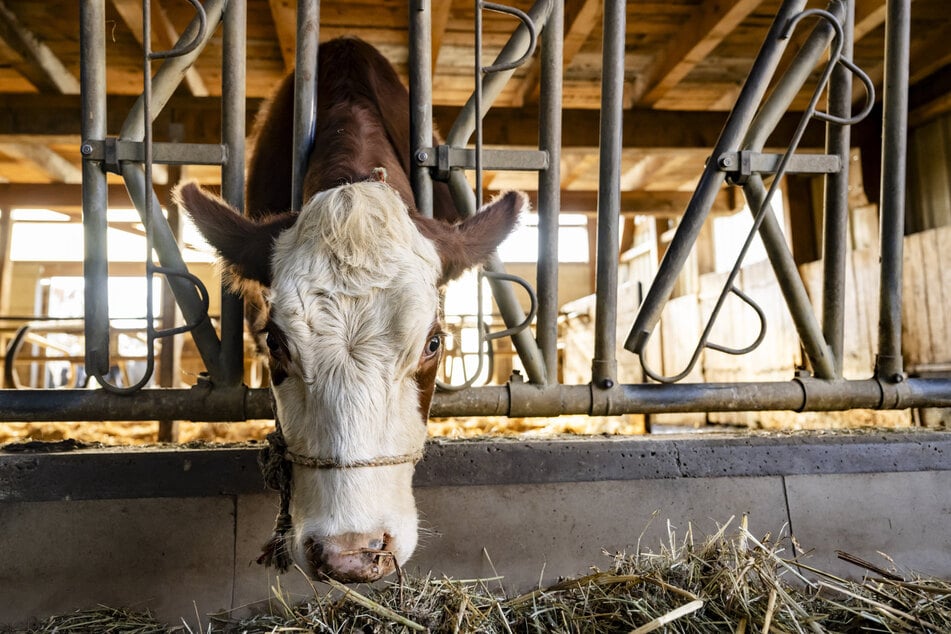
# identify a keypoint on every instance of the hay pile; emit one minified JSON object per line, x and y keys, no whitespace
{"x":726,"y":583}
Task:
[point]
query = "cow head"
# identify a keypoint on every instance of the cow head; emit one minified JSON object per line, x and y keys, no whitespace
{"x":353,"y":331}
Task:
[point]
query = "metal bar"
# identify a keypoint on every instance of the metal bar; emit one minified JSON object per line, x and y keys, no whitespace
{"x":233,"y":72}
{"x":465,"y":158}
{"x":170,"y":75}
{"x":92,"y":26}
{"x":711,"y":179}
{"x":166,"y":153}
{"x":420,"y":99}
{"x":492,"y":85}
{"x":207,"y":403}
{"x":604,"y":362}
{"x":142,"y":194}
{"x":305,"y":94}
{"x":166,"y":247}
{"x":790,"y":283}
{"x":549,"y":187}
{"x":746,"y":162}
{"x":509,"y":306}
{"x":779,"y":100}
{"x":835,"y":248}
{"x":888,"y":362}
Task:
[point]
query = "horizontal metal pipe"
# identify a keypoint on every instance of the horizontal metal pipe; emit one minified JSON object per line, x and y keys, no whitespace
{"x":215,"y":404}
{"x":201,"y":403}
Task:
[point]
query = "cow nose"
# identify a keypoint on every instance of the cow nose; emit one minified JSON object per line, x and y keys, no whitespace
{"x":351,"y":558}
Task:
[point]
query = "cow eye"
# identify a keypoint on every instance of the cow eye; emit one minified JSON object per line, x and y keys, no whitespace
{"x":276,"y":344}
{"x":433,"y":345}
{"x":272,"y":343}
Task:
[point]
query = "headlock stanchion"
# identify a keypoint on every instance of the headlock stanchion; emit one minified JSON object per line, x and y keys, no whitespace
{"x":738,"y":159}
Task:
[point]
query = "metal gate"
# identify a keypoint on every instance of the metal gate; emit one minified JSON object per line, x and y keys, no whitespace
{"x":738,"y":158}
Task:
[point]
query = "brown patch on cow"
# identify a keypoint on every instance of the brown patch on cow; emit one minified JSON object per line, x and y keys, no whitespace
{"x":245,"y":245}
{"x":472,"y":241}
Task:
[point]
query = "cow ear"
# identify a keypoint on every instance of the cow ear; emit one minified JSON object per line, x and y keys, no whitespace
{"x":472,"y":241}
{"x":244,"y":245}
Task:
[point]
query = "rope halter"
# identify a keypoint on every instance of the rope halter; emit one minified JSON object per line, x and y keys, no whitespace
{"x":275,"y":461}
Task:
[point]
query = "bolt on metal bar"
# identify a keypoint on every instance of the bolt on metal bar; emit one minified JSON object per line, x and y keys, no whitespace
{"x":549,"y":187}
{"x":305,"y":95}
{"x":888,"y":362}
{"x":604,"y":362}
{"x":711,"y":179}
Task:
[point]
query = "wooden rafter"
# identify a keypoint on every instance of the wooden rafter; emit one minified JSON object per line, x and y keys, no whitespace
{"x":642,"y":128}
{"x":164,"y":36}
{"x":58,"y":168}
{"x":439,"y":22}
{"x":284,"y":14}
{"x":38,"y":63}
{"x":712,"y":22}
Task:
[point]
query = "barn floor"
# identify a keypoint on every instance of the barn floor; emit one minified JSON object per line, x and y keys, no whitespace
{"x":177,"y":531}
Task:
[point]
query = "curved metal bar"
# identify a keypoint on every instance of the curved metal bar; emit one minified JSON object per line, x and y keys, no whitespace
{"x":464,"y":126}
{"x":532,"y":37}
{"x":532,"y":310}
{"x":184,"y":49}
{"x":10,"y":378}
{"x":869,"y":97}
{"x":762,"y":327}
{"x":202,"y":295}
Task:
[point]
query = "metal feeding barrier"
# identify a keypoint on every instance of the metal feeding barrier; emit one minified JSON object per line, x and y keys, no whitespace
{"x":738,"y":159}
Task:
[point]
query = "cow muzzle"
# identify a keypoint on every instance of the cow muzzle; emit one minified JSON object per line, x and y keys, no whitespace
{"x":351,"y":558}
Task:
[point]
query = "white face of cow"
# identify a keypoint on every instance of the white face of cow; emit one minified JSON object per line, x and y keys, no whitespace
{"x":353,"y":335}
{"x":353,"y":307}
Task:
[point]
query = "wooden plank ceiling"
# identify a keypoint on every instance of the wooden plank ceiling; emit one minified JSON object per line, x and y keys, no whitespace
{"x":685,"y":63}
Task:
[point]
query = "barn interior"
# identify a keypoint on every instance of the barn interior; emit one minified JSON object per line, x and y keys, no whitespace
{"x":685,"y":63}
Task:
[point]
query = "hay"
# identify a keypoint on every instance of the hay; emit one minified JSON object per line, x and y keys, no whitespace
{"x":724,"y":583}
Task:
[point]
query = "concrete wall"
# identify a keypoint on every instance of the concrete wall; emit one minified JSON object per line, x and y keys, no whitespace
{"x":177,"y":531}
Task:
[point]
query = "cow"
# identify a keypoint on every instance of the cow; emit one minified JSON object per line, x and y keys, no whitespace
{"x":347,"y":291}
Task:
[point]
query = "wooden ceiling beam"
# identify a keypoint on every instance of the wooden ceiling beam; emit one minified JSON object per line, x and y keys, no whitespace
{"x":39,"y":65}
{"x":163,"y":36}
{"x":439,"y":22}
{"x":68,"y":199}
{"x":57,"y":167}
{"x":65,"y":198}
{"x":713,"y":21}
{"x":37,"y":116}
{"x":639,"y":203}
{"x":284,"y":14}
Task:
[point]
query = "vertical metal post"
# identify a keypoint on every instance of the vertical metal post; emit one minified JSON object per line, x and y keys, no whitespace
{"x":549,"y":187}
{"x":836,"y":222}
{"x":604,"y":364}
{"x":305,"y":94}
{"x":92,"y":26}
{"x":420,"y":99}
{"x":233,"y":71}
{"x":888,"y":363}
